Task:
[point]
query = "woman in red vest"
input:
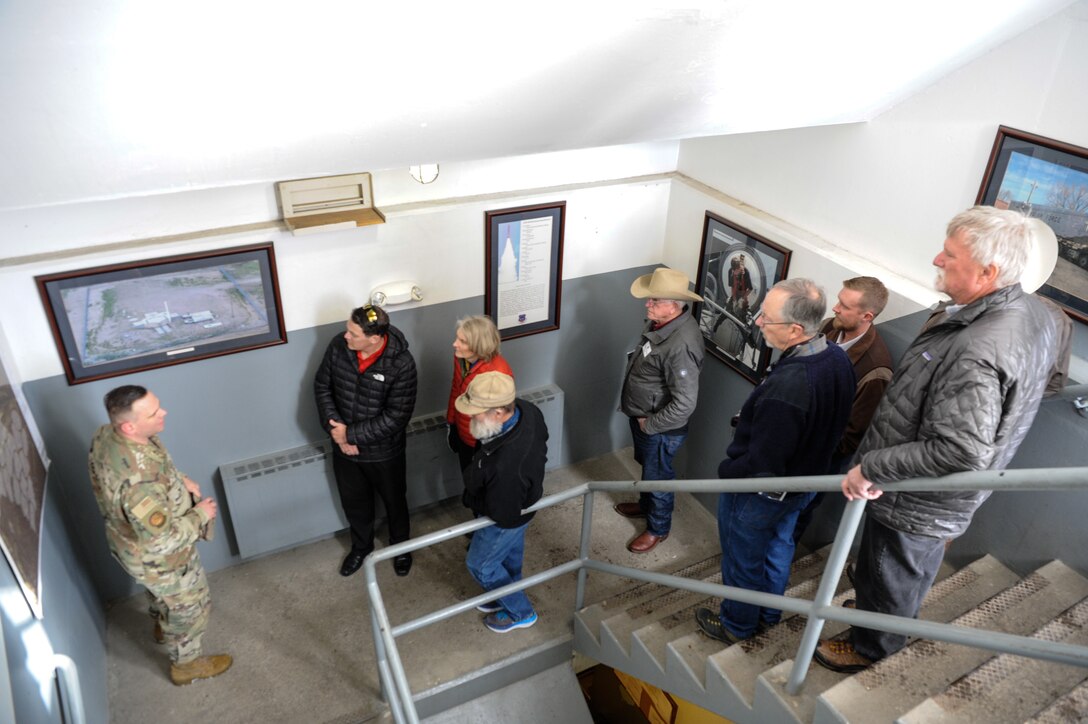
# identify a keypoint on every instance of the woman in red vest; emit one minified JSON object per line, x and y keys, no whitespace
{"x":475,"y":350}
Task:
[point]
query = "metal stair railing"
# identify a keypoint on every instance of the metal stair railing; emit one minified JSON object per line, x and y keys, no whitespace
{"x":394,"y":681}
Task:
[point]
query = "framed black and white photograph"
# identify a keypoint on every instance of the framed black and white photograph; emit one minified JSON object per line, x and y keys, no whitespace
{"x":736,"y":269}
{"x":1048,"y":180}
{"x":113,"y":320}
{"x":524,"y":268}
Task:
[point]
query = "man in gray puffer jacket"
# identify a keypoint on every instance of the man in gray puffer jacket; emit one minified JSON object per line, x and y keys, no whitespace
{"x":963,"y":398}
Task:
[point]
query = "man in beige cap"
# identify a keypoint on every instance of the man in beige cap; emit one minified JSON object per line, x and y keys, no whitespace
{"x":660,"y":389}
{"x":506,"y":476}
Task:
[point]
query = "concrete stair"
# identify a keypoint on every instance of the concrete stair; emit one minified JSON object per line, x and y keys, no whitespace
{"x":650,"y":633}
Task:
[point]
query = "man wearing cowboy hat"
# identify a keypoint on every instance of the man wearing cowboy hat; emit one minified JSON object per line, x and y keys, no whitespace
{"x":660,"y":389}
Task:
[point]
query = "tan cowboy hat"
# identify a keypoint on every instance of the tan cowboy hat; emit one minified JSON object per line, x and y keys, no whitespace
{"x":664,"y":283}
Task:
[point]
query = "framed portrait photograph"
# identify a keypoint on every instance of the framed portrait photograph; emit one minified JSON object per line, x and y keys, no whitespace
{"x":123,"y":318}
{"x":736,"y":269}
{"x":524,"y":268}
{"x":1048,"y":180}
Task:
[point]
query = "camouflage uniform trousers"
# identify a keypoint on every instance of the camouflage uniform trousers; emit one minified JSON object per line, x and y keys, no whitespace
{"x":180,"y":601}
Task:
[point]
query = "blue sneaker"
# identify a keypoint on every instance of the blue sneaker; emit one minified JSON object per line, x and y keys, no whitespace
{"x":489,"y":607}
{"x":500,"y":622}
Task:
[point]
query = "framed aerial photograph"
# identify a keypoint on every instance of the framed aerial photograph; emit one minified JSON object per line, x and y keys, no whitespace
{"x":736,"y":269}
{"x":1048,"y":180}
{"x":524,"y":268}
{"x":113,"y":320}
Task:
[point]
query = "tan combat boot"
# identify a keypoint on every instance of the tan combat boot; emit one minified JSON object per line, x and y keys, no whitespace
{"x":204,"y":667}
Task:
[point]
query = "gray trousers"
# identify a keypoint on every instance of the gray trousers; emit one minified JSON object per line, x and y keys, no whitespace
{"x":894,"y":572}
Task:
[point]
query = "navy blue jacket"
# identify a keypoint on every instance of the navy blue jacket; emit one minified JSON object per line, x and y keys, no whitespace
{"x":792,"y":422}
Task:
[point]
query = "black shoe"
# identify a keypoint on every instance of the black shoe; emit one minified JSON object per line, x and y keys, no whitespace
{"x":710,"y":625}
{"x":402,"y":564}
{"x":353,"y":561}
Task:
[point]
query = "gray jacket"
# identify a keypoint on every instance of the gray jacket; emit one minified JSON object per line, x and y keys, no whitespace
{"x":662,"y":378}
{"x":963,"y":398}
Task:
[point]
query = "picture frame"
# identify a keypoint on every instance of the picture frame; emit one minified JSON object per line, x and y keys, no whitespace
{"x":1046,"y":179}
{"x":524,"y":268}
{"x":736,"y":269}
{"x":24,"y":467}
{"x":124,"y":318}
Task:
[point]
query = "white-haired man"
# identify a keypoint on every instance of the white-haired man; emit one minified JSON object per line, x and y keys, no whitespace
{"x":963,"y":398}
{"x":505,"y":476}
{"x":788,"y":426}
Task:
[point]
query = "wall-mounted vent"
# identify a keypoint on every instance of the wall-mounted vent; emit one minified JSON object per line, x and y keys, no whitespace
{"x":329,"y":202}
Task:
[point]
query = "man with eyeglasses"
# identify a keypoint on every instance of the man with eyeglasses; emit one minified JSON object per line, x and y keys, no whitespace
{"x":365,"y":390}
{"x":789,"y":425}
{"x":660,"y":389}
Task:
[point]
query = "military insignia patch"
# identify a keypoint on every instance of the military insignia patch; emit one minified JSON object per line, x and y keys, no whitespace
{"x":150,"y":513}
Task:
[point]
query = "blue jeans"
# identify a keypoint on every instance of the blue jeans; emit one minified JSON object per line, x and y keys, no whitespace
{"x":756,"y":535}
{"x":494,"y":560}
{"x":655,"y":453}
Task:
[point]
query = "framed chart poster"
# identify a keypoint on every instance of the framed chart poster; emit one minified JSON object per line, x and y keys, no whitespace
{"x":524,"y":268}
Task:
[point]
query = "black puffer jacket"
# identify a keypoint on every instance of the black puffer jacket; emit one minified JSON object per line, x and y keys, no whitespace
{"x":507,"y":472}
{"x":963,"y":398}
{"x":375,"y":405}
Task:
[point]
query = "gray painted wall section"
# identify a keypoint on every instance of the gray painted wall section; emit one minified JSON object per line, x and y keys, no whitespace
{"x":248,"y":404}
{"x":73,"y":625}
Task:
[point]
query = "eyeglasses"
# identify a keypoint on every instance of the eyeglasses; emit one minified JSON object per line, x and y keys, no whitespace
{"x":653,"y":301}
{"x":766,"y":323}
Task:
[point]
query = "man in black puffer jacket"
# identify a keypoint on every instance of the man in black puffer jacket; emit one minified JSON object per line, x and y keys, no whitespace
{"x":365,"y":390}
{"x":963,"y":398}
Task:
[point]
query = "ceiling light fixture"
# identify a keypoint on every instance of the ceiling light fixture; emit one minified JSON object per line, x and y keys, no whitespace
{"x":425,"y":173}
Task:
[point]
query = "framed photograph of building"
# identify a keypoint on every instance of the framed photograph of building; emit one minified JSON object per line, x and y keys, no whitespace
{"x":1048,"y":180}
{"x":736,"y":269}
{"x":524,"y":268}
{"x":123,"y":318}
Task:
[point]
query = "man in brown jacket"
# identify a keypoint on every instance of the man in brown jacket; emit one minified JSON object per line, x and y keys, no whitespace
{"x":861,"y":300}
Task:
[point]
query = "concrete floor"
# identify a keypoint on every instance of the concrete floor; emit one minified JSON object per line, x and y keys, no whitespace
{"x":300,"y":633}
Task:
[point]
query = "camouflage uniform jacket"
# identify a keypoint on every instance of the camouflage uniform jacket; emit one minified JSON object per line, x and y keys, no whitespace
{"x":151,"y":524}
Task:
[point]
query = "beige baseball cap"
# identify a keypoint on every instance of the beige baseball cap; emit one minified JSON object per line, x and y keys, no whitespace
{"x":487,"y":391}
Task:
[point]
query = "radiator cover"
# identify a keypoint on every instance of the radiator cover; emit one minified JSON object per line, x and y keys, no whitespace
{"x":286,"y":498}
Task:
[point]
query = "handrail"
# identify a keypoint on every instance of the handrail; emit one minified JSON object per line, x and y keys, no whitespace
{"x":394,"y":681}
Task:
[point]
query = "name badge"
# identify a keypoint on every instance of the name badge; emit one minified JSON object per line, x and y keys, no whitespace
{"x":646,"y":349}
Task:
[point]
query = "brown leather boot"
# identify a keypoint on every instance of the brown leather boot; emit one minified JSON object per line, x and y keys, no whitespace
{"x":204,"y":667}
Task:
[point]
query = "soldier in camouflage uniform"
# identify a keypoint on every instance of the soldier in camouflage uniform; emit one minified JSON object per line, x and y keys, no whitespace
{"x":154,"y":515}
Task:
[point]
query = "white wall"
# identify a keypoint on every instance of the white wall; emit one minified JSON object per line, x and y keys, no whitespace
{"x":883,"y":191}
{"x":434,"y":235}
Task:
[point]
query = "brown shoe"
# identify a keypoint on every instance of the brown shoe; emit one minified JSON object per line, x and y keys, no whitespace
{"x":629,"y":510}
{"x":645,"y":542}
{"x":840,"y":656}
{"x":204,"y":667}
{"x":160,"y":637}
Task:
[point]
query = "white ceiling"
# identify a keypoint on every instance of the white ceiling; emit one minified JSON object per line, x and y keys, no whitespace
{"x":114,"y":98}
